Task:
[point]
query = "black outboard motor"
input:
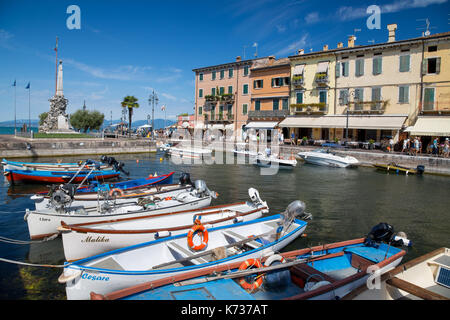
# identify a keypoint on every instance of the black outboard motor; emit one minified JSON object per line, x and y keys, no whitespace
{"x":185,"y":179}
{"x":118,"y":166}
{"x":420,"y":169}
{"x":384,"y":232}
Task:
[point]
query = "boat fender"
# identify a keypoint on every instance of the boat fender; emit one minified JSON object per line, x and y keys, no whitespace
{"x":273,"y":258}
{"x":162,"y":234}
{"x":249,"y":263}
{"x":196,"y":217}
{"x":66,"y":278}
{"x":279,"y":278}
{"x":238,"y":219}
{"x":198,"y":227}
{"x":37,"y":198}
{"x":27,"y":213}
{"x":115,"y":191}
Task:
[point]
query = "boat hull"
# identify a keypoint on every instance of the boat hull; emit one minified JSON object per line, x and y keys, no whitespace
{"x":44,"y":224}
{"x":330,"y":162}
{"x":34,"y":176}
{"x":81,"y":280}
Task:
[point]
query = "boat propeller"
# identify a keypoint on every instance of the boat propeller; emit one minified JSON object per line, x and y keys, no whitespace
{"x":384,"y":232}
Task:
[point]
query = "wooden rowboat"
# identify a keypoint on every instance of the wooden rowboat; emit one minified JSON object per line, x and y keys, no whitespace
{"x":393,"y":167}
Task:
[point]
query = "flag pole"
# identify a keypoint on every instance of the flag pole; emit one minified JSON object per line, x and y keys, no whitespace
{"x":15,"y":117}
{"x":29,"y":106}
{"x":56,"y":72}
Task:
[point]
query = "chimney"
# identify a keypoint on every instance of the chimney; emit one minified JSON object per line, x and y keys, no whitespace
{"x":301,"y":51}
{"x":340,"y":45}
{"x":271,"y":60}
{"x":391,"y":28}
{"x":325,"y":47}
{"x":238,"y":58}
{"x":351,"y":41}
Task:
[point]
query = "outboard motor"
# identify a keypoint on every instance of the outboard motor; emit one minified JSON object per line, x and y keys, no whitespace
{"x":63,"y":196}
{"x":201,"y":188}
{"x":420,"y":169}
{"x":384,"y":232}
{"x":296,"y":209}
{"x":185,"y":179}
{"x":254,"y":196}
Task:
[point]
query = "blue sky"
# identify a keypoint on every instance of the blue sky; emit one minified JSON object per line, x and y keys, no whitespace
{"x":131,"y":47}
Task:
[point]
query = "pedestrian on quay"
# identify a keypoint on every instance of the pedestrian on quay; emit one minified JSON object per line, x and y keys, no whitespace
{"x":420,"y":144}
{"x":446,"y":148}
{"x":405,"y":145}
{"x":416,"y":146}
{"x":292,"y":138}
{"x":391,"y":144}
{"x":436,"y":146}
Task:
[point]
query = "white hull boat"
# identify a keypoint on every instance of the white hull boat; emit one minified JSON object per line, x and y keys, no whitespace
{"x":273,"y":160}
{"x":84,"y":240}
{"x":45,"y":224}
{"x":185,"y":152}
{"x":326,"y":158}
{"x":171,"y":256}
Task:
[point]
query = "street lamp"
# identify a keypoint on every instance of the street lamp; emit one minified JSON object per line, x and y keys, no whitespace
{"x":153,"y":98}
{"x":342,"y":102}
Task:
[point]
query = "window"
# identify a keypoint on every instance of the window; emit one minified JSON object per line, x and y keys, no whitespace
{"x":278,"y":82}
{"x":275,"y":103}
{"x":213,"y":75}
{"x":230,"y":73}
{"x":403,"y":94}
{"x":286,"y":81}
{"x":359,"y":67}
{"x":376,"y":96}
{"x":246,"y":70}
{"x":432,"y":48}
{"x":213,"y":91}
{"x":200,"y":110}
{"x":428,"y":99}
{"x":359,"y":97}
{"x":322,"y":96}
{"x":404,"y":63}
{"x":432,"y":65}
{"x":200,"y":93}
{"x":299,"y":97}
{"x":221,"y":90}
{"x":200,"y":76}
{"x":376,"y":65}
{"x":344,"y":67}
{"x":343,"y":97}
{"x":285,"y":104}
{"x":257,"y":84}
{"x":222,"y":74}
{"x":230,"y":89}
{"x":244,"y":108}
{"x":257,"y":105}
{"x":245,"y":89}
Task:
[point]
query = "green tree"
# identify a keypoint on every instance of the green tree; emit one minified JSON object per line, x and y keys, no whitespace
{"x":130,"y":102}
{"x":86,"y":120}
{"x":42,"y":118}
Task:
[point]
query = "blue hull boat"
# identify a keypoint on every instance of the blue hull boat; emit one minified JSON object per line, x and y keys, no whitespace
{"x":323,"y":272}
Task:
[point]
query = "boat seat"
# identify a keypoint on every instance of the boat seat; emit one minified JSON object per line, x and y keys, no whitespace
{"x":109,"y":263}
{"x":184,"y":253}
{"x":237,"y":237}
{"x":303,"y":271}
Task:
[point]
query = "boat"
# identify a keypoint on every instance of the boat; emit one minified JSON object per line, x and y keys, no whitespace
{"x":324,"y":272}
{"x":185,"y":152}
{"x":393,"y":167}
{"x":241,"y":149}
{"x":43,"y":224}
{"x":325,"y":157}
{"x":424,"y":278}
{"x":171,"y":256}
{"x":94,"y":186}
{"x":88,"y":239}
{"x":16,"y":165}
{"x":97,"y":199}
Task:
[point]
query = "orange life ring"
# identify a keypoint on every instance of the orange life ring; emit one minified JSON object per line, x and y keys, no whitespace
{"x":259,"y":280}
{"x":113,"y":192}
{"x":198,"y":227}
{"x":168,"y":198}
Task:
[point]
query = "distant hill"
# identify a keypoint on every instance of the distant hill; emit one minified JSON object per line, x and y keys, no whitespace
{"x":19,"y":123}
{"x":159,"y":123}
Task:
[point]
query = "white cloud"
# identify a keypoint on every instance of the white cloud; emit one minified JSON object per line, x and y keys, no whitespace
{"x":312,"y":17}
{"x":294,"y":46}
{"x":169,"y":96}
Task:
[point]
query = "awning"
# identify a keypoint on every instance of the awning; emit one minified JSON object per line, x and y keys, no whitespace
{"x":298,"y":69}
{"x":431,"y":126}
{"x":229,"y":126}
{"x":199,"y":125}
{"x":354,"y":122}
{"x":322,"y":66}
{"x":216,"y":126}
{"x":261,"y":125}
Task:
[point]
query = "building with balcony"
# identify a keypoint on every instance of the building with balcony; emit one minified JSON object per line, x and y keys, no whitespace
{"x":222,"y":95}
{"x":270,"y":89}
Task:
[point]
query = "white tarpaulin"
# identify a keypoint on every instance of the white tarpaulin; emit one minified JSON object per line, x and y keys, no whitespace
{"x":261,"y":125}
{"x":322,"y":66}
{"x":431,"y":126}
{"x":298,"y":69}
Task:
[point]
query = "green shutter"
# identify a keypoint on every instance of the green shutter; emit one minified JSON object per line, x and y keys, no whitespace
{"x":213,"y":91}
{"x":200,"y":109}
{"x":376,"y":65}
{"x":244,"y":108}
{"x":230,"y":89}
{"x":245,"y":89}
{"x":257,"y":105}
{"x":213,"y":75}
{"x":273,"y":81}
{"x":428,"y":99}
{"x":345,"y":69}
{"x":285,"y":104}
{"x":254,"y":84}
{"x":425,"y":66}
{"x":200,"y":93}
{"x":438,"y":65}
{"x":404,"y":63}
{"x":275,"y":104}
{"x":337,"y":69}
{"x":299,"y":97}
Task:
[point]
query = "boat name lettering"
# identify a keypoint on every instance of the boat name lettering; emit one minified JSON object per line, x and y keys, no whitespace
{"x":94,"y":278}
{"x":98,"y":239}
{"x":44,"y":219}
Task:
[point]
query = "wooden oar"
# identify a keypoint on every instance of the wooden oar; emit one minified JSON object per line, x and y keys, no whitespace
{"x":201,"y":254}
{"x":243,"y":273}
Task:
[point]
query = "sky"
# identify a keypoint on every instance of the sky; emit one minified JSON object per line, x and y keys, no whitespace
{"x":134,"y":47}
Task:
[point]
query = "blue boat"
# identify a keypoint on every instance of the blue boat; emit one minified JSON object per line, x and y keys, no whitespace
{"x":323,"y":272}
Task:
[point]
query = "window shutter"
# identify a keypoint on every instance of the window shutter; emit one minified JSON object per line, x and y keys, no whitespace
{"x":438,"y":65}
{"x":337,"y":69}
{"x":254,"y":84}
{"x":273,"y":80}
{"x":424,"y":66}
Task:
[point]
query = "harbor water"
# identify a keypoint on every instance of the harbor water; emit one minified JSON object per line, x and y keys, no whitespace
{"x":345,"y":204}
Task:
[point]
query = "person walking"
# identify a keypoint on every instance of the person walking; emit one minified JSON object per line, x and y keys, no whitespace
{"x":446,"y":148}
{"x":416,"y":146}
{"x":436,"y":146}
{"x":391,"y":144}
{"x":292,"y":138}
{"x":405,"y":145}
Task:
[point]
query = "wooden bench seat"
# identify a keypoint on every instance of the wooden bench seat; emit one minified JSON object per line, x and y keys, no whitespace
{"x":304,"y":271}
{"x":237,"y":237}
{"x":184,"y":253}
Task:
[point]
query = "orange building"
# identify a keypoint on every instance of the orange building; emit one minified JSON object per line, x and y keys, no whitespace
{"x":270,"y":89}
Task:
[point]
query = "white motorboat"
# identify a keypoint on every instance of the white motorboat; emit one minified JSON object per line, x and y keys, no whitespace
{"x":325,"y":157}
{"x":186,"y":152}
{"x":42,"y":224}
{"x":174,"y":255}
{"x":272,"y":160}
{"x":88,"y":239}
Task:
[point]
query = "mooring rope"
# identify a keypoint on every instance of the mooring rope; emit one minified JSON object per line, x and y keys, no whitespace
{"x":35,"y":264}
{"x":14,"y":241}
{"x":19,"y":211}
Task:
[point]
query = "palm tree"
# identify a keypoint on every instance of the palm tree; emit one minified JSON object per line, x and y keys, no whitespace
{"x":130,"y":102}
